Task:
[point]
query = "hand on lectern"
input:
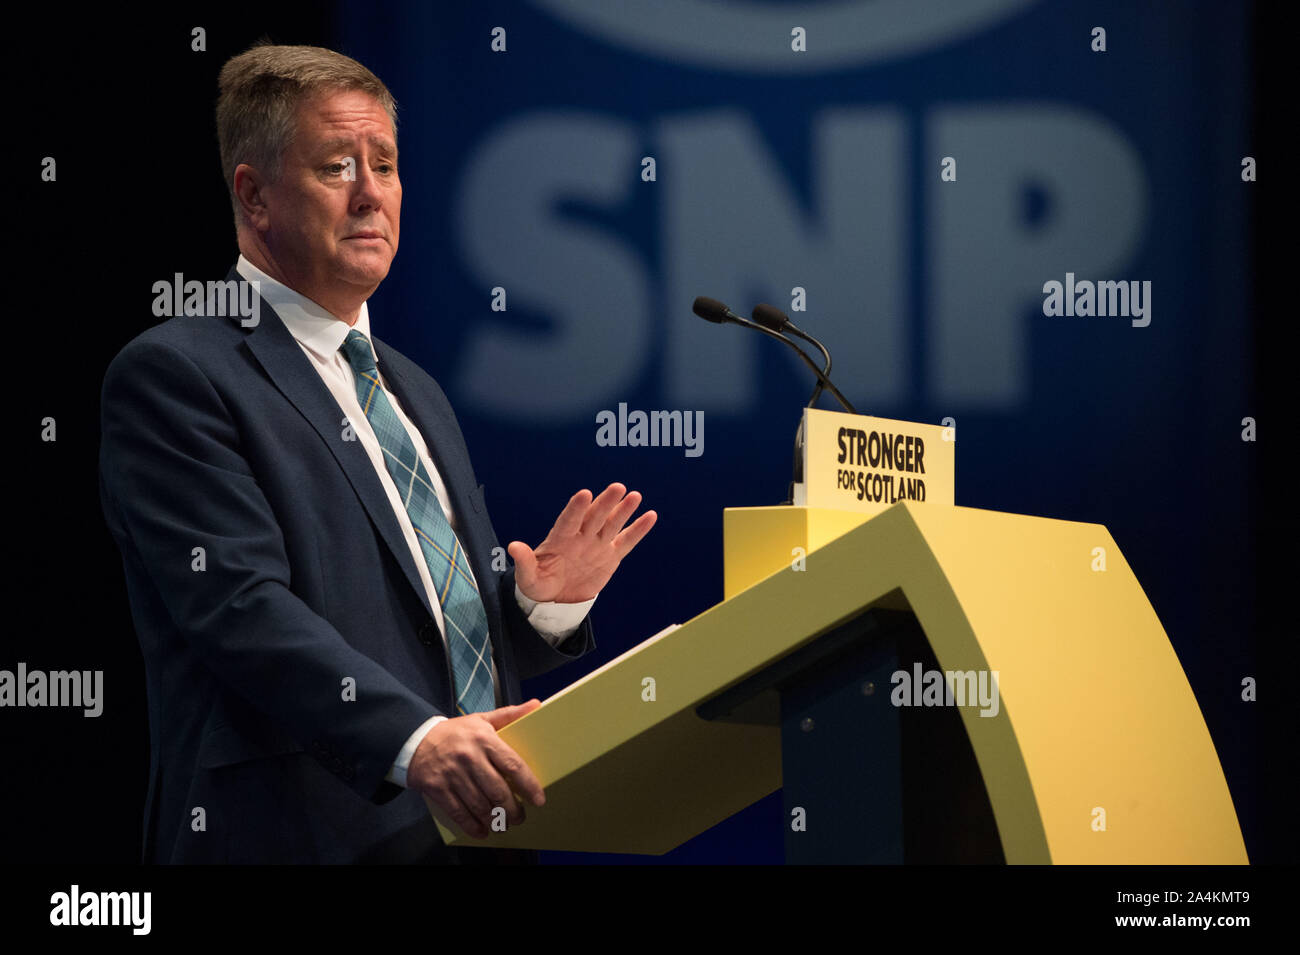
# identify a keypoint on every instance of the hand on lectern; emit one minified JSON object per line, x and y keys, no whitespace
{"x":465,"y":768}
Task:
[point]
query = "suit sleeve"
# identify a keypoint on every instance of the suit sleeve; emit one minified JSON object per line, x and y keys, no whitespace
{"x":533,"y":652}
{"x":175,"y":479}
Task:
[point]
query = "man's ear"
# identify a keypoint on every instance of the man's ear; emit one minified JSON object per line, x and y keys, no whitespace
{"x":249,"y":184}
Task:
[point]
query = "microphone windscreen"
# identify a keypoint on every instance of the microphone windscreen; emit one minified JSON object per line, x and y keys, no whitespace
{"x":710,"y":309}
{"x":769,"y":316}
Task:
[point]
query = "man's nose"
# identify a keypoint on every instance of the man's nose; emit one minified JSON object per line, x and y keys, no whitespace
{"x":366,"y":191}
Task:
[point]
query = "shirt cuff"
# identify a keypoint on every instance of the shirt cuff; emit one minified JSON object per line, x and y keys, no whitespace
{"x":397,"y":774}
{"x":556,"y":622}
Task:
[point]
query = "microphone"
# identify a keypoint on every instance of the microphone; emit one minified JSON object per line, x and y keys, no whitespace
{"x":711,"y":310}
{"x":771,"y":317}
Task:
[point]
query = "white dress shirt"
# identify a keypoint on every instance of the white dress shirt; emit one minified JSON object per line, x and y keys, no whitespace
{"x":319,"y":333}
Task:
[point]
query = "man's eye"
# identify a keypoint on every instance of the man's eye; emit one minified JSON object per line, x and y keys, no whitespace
{"x":334,"y":168}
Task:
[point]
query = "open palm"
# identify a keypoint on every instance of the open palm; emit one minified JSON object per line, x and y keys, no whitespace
{"x":583,"y":549}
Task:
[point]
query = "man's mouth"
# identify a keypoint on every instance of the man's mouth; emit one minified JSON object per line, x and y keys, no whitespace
{"x":366,"y":234}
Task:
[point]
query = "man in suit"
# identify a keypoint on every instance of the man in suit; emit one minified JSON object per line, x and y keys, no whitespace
{"x":329,"y":626}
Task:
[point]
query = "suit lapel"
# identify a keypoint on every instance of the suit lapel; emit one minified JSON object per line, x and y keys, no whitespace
{"x":280,"y":356}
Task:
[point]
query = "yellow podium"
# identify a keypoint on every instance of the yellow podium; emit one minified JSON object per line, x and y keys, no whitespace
{"x":1097,"y":751}
{"x":924,"y":682}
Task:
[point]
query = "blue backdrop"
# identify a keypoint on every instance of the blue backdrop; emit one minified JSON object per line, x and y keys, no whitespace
{"x":776,"y":169}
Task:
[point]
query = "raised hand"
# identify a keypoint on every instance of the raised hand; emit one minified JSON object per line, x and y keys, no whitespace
{"x":583,"y":549}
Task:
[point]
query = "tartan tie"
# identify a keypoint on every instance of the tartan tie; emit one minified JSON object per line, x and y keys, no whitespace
{"x":462,"y":608}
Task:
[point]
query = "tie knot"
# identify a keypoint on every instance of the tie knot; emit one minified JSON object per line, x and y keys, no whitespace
{"x":356,"y":349}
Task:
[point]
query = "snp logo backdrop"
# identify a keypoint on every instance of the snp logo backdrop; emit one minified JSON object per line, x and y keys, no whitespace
{"x":907,"y":179}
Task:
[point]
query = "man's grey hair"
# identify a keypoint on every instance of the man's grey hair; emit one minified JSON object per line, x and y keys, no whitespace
{"x":260,"y":90}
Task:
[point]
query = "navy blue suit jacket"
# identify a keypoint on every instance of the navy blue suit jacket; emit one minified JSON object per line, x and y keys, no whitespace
{"x":224,"y":438}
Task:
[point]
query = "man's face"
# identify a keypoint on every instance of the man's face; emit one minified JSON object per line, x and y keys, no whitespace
{"x":330,"y":222}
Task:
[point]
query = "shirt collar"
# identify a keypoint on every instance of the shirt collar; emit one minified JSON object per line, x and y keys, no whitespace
{"x":316,"y":329}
